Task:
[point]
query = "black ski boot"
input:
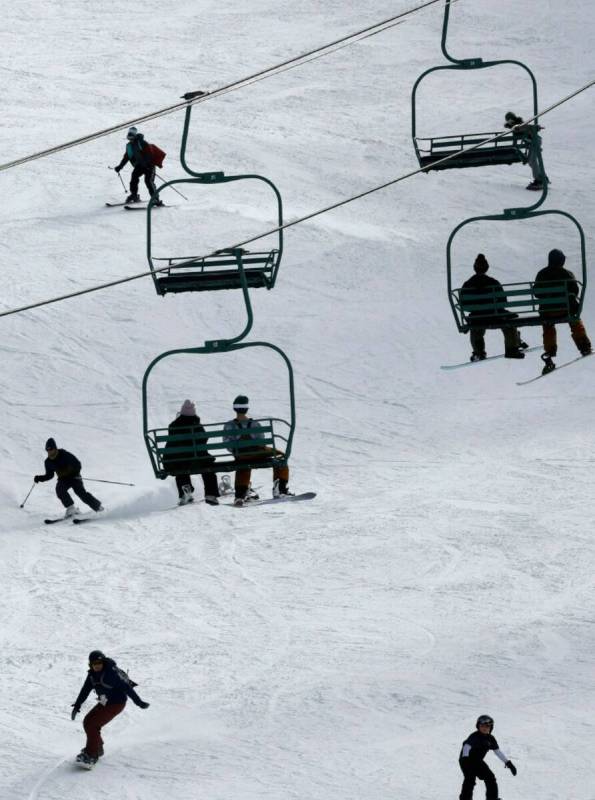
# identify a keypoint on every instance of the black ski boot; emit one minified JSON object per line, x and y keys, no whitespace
{"x":133,"y":198}
{"x":514,"y":352}
{"x":549,"y":365}
{"x":478,"y":356}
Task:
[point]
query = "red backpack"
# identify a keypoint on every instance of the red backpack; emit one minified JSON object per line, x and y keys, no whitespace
{"x":157,"y":155}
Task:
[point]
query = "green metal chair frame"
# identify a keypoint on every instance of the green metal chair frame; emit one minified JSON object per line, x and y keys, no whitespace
{"x":518,"y":304}
{"x":510,"y":149}
{"x":185,"y":451}
{"x":218,"y":270}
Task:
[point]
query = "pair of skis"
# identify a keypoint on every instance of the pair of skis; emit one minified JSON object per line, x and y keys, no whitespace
{"x":133,"y":206}
{"x":76,"y":520}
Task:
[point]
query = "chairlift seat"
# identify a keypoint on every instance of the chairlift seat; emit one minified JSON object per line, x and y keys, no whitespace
{"x":218,"y":271}
{"x":510,"y":149}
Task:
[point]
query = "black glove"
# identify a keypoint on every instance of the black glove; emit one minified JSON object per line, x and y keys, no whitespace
{"x":37,"y":478}
{"x":142,"y":704}
{"x":75,"y":710}
{"x":509,"y":765}
{"x":118,"y":168}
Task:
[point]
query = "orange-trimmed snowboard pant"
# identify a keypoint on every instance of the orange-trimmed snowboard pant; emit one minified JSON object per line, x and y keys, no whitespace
{"x":577,"y":331}
{"x":242,"y":479}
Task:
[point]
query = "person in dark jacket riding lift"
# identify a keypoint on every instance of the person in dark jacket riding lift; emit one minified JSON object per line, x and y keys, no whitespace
{"x":496,"y":311}
{"x":68,"y":469}
{"x":188,"y":423}
{"x":139,"y":154}
{"x":529,"y":132}
{"x":113,"y":688}
{"x":471,"y":759}
{"x":554,"y":276}
{"x":244,"y":428}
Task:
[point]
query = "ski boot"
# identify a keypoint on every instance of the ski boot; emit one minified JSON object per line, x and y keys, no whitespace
{"x":514,"y":352}
{"x":133,"y":198}
{"x":280,"y":488}
{"x":549,"y":365}
{"x":211,"y":500}
{"x":478,"y":356}
{"x":71,"y":511}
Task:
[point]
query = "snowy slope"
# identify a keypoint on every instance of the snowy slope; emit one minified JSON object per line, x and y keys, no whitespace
{"x":331,"y":650}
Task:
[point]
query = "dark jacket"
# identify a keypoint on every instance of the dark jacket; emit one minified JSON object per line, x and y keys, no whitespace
{"x":196,"y":434}
{"x":65,"y":465}
{"x":476,"y":746}
{"x":138,"y":153}
{"x":110,"y":684}
{"x":480,"y":283}
{"x":564,"y":282}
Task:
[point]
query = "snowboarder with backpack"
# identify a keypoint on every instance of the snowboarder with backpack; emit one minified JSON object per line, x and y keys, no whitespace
{"x":495,"y":301}
{"x":471,"y":759}
{"x":244,"y":428}
{"x":113,"y":688}
{"x":68,"y":469}
{"x":144,"y":157}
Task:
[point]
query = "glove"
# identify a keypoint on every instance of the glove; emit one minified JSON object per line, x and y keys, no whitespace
{"x":142,"y":704}
{"x":509,"y":765}
{"x":37,"y":478}
{"x":75,"y":710}
{"x":118,"y":168}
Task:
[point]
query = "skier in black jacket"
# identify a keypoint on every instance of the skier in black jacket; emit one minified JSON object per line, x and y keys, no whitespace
{"x":68,"y":469}
{"x":139,"y":155}
{"x":471,"y":759}
{"x":113,"y":688}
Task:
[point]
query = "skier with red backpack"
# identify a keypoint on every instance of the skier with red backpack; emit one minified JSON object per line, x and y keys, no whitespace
{"x":144,"y":157}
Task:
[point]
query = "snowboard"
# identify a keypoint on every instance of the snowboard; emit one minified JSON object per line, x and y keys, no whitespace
{"x":489,"y":358}
{"x":285,"y":498}
{"x":558,"y":368}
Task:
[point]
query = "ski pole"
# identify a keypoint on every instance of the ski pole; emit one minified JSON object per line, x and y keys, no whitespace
{"x":99,"y":480}
{"x":119,"y":176}
{"x":26,"y":498}
{"x":171,"y":187}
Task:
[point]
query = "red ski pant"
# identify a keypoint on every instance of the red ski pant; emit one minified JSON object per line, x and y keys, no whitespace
{"x":94,"y":722}
{"x":242,"y":481}
{"x":577,"y":331}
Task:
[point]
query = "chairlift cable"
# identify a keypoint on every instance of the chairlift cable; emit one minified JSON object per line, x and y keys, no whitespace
{"x":298,"y":221}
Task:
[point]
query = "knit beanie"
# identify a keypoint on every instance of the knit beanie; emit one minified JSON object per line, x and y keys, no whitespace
{"x":556,"y":258}
{"x":481,"y":264}
{"x":131,"y":132}
{"x":51,"y":444}
{"x":188,"y":409}
{"x":241,"y":403}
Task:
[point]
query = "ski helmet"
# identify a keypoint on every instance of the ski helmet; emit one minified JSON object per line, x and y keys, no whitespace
{"x":131,"y":132}
{"x":96,"y":655}
{"x":485,"y":719}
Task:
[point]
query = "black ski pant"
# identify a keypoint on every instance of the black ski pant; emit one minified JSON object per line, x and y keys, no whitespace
{"x":477,"y":769}
{"x":77,"y":486}
{"x":208,"y":478}
{"x":149,"y":175}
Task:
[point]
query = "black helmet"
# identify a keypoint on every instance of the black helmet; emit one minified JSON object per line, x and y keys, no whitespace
{"x":485,"y":719}
{"x":96,"y":655}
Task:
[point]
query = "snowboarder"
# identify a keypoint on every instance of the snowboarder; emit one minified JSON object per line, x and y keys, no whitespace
{"x":68,"y":469}
{"x":480,"y":283}
{"x":187,"y":423}
{"x":245,"y":428}
{"x":529,"y":132}
{"x":139,"y":153}
{"x":471,"y":759}
{"x":548,"y":278}
{"x":113,"y":688}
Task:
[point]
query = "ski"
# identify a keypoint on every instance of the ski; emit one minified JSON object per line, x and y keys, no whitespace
{"x":483,"y":361}
{"x":78,"y":518}
{"x":558,"y":368}
{"x":115,"y":205}
{"x":142,"y":206}
{"x":53,"y":520}
{"x":285,"y":498}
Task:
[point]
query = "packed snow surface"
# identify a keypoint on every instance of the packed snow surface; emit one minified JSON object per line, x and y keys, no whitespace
{"x":339,"y":649}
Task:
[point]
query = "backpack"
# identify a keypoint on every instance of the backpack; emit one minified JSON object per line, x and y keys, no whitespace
{"x":156,"y":154}
{"x":124,"y":677}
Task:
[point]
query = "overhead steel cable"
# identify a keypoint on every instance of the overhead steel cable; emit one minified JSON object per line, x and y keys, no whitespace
{"x":299,"y":220}
{"x":283,"y":66}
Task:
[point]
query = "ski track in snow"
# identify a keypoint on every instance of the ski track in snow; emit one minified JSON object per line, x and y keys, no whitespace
{"x":333,"y":650}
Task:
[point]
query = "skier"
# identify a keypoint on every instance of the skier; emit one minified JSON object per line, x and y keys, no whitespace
{"x":187,"y":423}
{"x":548,"y":278}
{"x":245,"y":428}
{"x":113,"y":688}
{"x":471,"y":759}
{"x":138,"y":152}
{"x":68,"y":469}
{"x":529,"y":132}
{"x":480,"y":283}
